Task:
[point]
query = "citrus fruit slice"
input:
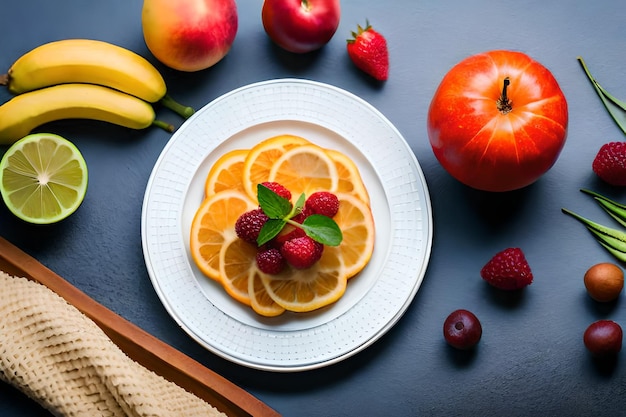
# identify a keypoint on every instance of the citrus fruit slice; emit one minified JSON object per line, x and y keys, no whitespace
{"x":305,"y":169}
{"x":213,"y":227}
{"x":356,"y":222}
{"x":303,"y":290}
{"x":237,"y":259}
{"x":350,"y":180}
{"x":226,"y":173}
{"x":43,"y":178}
{"x":260,"y":300}
{"x":262,"y":156}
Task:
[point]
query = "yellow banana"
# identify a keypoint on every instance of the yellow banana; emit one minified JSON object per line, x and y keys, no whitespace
{"x":20,"y":115}
{"x":86,"y":61}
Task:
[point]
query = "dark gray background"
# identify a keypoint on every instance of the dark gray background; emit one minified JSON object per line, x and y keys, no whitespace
{"x":531,"y":359}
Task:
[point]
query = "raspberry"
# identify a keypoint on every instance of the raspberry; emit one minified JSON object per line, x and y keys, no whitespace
{"x":302,"y":252}
{"x":249,"y":224}
{"x":270,"y":261}
{"x":278,"y":189}
{"x":610,"y":163}
{"x":508,"y":270}
{"x":322,"y":202}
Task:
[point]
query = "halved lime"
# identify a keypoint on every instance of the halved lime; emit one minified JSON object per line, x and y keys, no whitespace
{"x":43,"y":178}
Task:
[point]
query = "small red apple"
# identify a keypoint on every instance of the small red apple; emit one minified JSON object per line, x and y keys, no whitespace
{"x":300,"y":25}
{"x":189,"y":35}
{"x":498,"y":121}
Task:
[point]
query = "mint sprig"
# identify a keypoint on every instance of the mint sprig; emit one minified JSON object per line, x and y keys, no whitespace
{"x":320,"y":228}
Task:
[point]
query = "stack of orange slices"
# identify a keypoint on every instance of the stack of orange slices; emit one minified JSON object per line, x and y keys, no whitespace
{"x":302,"y":167}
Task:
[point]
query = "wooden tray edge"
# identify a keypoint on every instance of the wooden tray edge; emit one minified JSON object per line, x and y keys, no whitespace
{"x":139,"y":345}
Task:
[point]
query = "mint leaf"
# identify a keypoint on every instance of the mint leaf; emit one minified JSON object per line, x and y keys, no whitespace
{"x":270,"y":229}
{"x":322,"y":229}
{"x":273,"y":205}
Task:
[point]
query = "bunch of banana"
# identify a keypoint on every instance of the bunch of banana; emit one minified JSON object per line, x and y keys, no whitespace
{"x":82,"y":78}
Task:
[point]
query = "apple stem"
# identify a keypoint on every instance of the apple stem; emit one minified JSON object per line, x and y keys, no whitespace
{"x":504,"y":104}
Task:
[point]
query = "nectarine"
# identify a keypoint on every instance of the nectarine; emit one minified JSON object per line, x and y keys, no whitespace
{"x":189,"y":35}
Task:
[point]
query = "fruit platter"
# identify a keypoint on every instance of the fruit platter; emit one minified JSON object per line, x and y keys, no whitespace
{"x":260,"y":124}
{"x":312,"y":207}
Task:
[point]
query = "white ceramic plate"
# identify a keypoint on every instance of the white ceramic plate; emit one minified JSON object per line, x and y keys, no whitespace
{"x":374,"y":300}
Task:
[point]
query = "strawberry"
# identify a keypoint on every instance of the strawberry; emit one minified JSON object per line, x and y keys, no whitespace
{"x":508,"y":270}
{"x":610,"y":163}
{"x":322,"y":202}
{"x":368,"y":50}
{"x":302,"y":252}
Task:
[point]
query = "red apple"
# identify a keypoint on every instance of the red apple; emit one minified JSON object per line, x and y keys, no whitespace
{"x":189,"y":35}
{"x":300,"y":25}
{"x":498,"y":121}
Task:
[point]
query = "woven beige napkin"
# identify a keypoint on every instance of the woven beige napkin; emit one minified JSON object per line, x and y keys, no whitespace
{"x":60,"y":358}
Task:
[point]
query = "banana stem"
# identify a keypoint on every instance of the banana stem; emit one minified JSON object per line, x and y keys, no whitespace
{"x":164,"y":125}
{"x":4,"y":79}
{"x":170,"y":103}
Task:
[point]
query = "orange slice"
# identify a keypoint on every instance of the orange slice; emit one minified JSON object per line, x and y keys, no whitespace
{"x":213,"y":227}
{"x":305,"y":169}
{"x":260,"y":300}
{"x":350,"y":180}
{"x":357,"y":225}
{"x":325,"y":282}
{"x":237,"y":260}
{"x":226,"y":173}
{"x":262,"y":156}
{"x":307,"y":289}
